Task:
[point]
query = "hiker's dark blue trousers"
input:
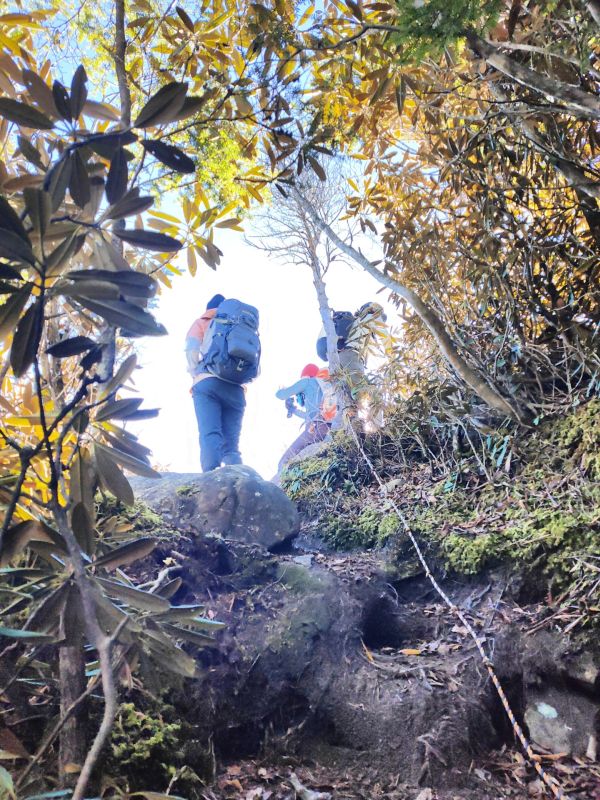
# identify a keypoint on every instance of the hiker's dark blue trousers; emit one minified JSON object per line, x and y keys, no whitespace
{"x":219,"y":410}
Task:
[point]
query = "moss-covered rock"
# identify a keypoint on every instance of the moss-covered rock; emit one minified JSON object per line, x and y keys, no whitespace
{"x":299,"y":579}
{"x":545,"y":520}
{"x":370,"y":527}
{"x":527,"y":500}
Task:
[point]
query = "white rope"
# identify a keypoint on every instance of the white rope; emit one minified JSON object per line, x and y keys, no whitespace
{"x":480,"y":641}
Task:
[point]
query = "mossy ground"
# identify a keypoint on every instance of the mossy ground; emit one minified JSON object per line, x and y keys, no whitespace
{"x":118,"y":521}
{"x":152,"y":745}
{"x":539,"y":512}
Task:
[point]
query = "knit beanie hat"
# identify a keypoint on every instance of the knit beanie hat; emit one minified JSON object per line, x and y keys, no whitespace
{"x":215,"y":301}
{"x":309,"y":371}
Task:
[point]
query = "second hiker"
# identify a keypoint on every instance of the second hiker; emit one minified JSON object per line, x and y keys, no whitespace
{"x":313,"y":399}
{"x":223,"y":354}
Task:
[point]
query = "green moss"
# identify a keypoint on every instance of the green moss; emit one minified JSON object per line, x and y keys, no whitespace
{"x":299,"y":579}
{"x":186,"y":491}
{"x":304,"y":479}
{"x":348,"y":530}
{"x":537,"y":522}
{"x":580,"y":435}
{"x":143,"y":738}
{"x":536,"y":511}
{"x":467,"y":556}
{"x":389,"y":525}
{"x":145,"y":518}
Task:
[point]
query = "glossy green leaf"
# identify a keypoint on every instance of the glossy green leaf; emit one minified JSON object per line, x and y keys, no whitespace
{"x":118,"y":409}
{"x":121,"y":376}
{"x":21,"y":535}
{"x":100,"y":111}
{"x":143,"y":413}
{"x":14,"y":248}
{"x":182,"y":613}
{"x":40,"y":92}
{"x":26,"y":340}
{"x":14,"y":633}
{"x":129,"y":206}
{"x":56,"y":260}
{"x":78,"y":91}
{"x":132,"y":284}
{"x":127,"y":444}
{"x":170,"y":588}
{"x":58,"y":179}
{"x":94,"y":290}
{"x":24,"y":115}
{"x":112,"y":477}
{"x":90,"y":358}
{"x":171,"y":658}
{"x":79,"y":181}
{"x":106,"y":144}
{"x":11,"y":309}
{"x":9,"y":273}
{"x":62,"y":101}
{"x":31,"y":153}
{"x":193,"y":637}
{"x":83,"y":479}
{"x":144,"y":601}
{"x":125,"y":315}
{"x":70,"y":347}
{"x":191,"y":105}
{"x":83,"y":528}
{"x":47,"y":613}
{"x":39,"y":207}
{"x":149,"y":240}
{"x":10,"y":221}
{"x":170,"y":156}
{"x":116,"y":182}
{"x":126,"y":553}
{"x":129,"y":462}
{"x":162,"y":106}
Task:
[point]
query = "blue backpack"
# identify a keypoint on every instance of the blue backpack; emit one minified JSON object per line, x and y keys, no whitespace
{"x":231,"y":346}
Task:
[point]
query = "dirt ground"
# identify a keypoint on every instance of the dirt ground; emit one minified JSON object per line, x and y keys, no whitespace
{"x":332,"y":680}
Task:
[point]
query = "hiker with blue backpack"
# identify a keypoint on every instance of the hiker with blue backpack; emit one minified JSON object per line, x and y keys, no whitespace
{"x":223,"y":355}
{"x":312,"y":398}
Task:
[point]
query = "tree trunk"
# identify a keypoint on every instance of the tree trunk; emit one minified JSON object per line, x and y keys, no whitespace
{"x":593,"y":7}
{"x":72,"y":747}
{"x":343,"y":394}
{"x":576,"y":101}
{"x":327,"y":318}
{"x":435,"y":326}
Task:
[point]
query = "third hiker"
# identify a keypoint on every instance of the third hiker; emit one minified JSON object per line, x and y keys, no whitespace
{"x":313,"y":399}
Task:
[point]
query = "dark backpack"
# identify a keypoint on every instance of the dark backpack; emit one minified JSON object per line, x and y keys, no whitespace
{"x":231,"y":346}
{"x":342,"y":321}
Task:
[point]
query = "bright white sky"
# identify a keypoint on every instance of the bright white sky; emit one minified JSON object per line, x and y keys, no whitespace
{"x":289,"y":326}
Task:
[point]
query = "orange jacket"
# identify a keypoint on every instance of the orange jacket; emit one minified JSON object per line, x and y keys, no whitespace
{"x":193,"y":343}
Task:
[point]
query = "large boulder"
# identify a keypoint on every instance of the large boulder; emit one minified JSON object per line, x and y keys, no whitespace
{"x":234,"y":502}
